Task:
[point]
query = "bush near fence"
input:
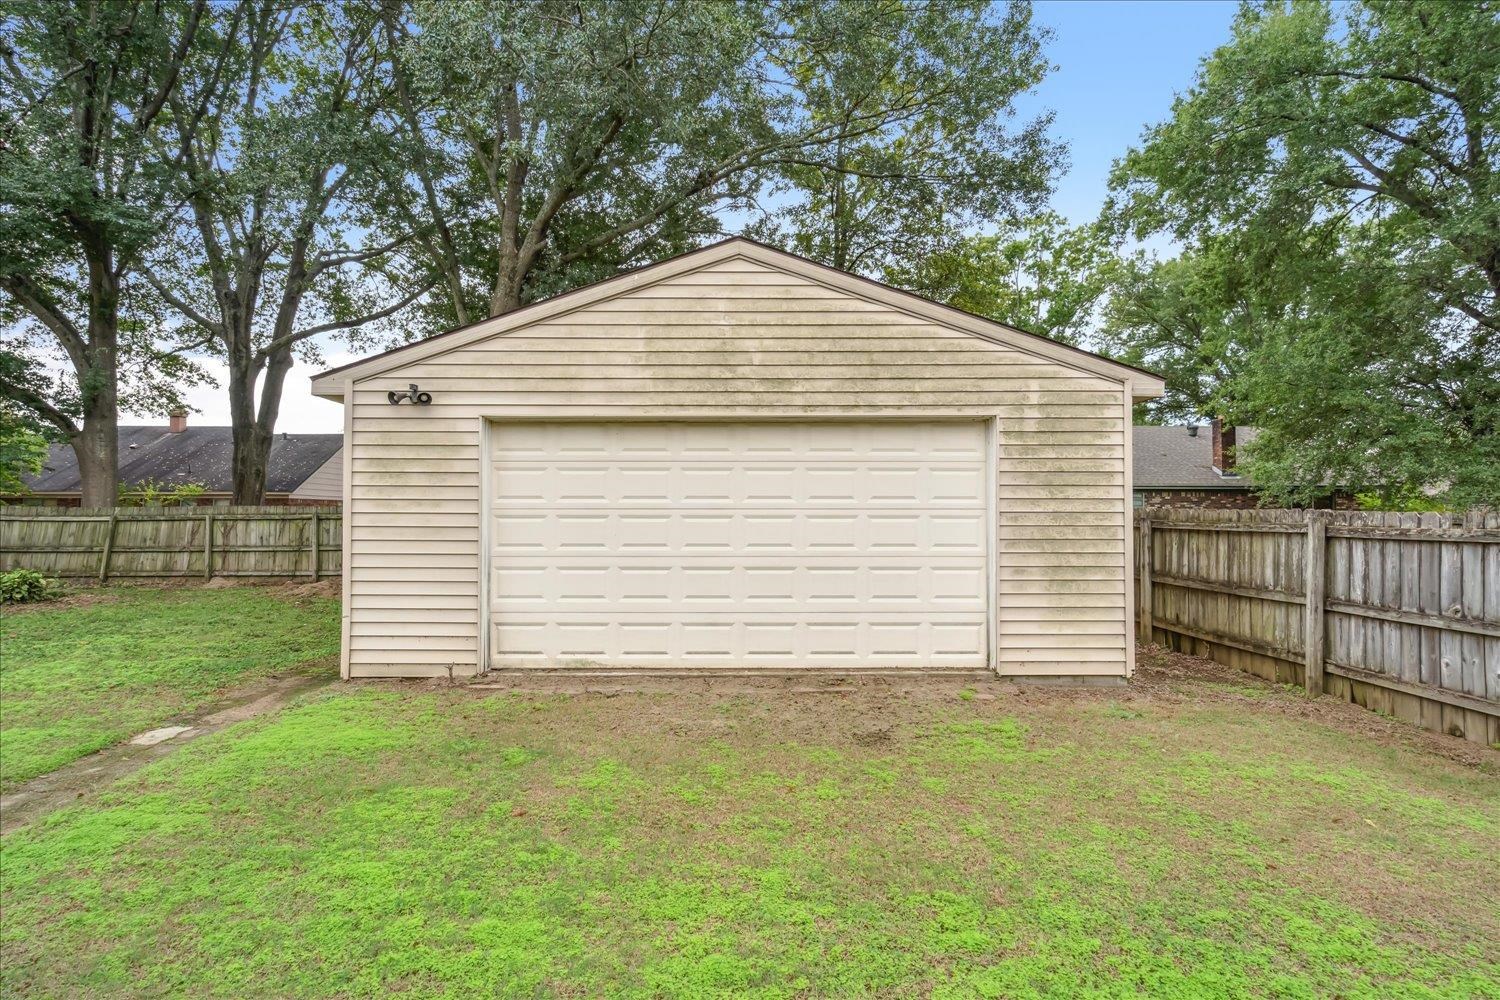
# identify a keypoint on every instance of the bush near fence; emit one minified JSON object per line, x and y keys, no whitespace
{"x":109,"y":542}
{"x":1399,"y":613}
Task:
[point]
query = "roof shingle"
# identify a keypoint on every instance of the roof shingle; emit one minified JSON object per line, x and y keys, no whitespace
{"x":1170,"y":457}
{"x":195,"y":455}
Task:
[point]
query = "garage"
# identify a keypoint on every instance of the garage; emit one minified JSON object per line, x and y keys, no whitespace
{"x":769,"y":544}
{"x":737,"y":459}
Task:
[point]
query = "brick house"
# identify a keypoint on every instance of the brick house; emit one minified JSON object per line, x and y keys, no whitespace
{"x":1194,"y":466}
{"x":177,"y":454}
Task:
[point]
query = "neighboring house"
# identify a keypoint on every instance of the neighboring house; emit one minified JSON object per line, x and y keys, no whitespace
{"x":1195,"y":466}
{"x":738,"y":459}
{"x":177,"y":454}
{"x":1191,"y":466}
{"x":326,"y":484}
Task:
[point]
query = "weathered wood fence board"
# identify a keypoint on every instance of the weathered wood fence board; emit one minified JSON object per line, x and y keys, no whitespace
{"x":106,"y":543}
{"x":1397,"y":612}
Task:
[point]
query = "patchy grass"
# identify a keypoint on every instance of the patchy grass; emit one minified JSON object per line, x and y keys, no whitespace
{"x":80,"y":676}
{"x":431,"y":843}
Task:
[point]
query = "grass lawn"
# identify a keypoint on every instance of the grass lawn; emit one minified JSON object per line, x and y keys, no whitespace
{"x":82,"y":675}
{"x":1186,"y":839}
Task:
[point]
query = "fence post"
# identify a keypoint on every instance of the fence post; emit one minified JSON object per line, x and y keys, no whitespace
{"x":1145,"y":625}
{"x":109,"y":544}
{"x":1314,"y":591}
{"x":208,"y":546}
{"x":315,"y":531}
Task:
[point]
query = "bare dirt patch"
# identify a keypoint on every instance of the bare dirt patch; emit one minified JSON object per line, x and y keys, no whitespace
{"x":1164,"y":679}
{"x":1164,"y":676}
{"x":64,"y":601}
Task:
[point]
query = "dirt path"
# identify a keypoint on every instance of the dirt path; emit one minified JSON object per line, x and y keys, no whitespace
{"x":48,"y":792}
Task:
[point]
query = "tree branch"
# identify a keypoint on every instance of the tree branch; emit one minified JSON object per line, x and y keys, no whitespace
{"x":38,"y":403}
{"x":324,"y":263}
{"x":290,"y":339}
{"x":36,"y":301}
{"x":153,"y":107}
{"x":180,"y":304}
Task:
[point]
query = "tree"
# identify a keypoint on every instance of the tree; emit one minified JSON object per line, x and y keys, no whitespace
{"x":86,"y":85}
{"x":554,"y":142}
{"x":1333,"y":173}
{"x":276,"y":152}
{"x":23,"y":436}
{"x":22,"y":452}
{"x":1039,"y":275}
{"x":885,"y":195}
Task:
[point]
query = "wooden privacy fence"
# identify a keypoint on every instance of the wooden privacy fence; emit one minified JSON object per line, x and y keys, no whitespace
{"x":172,"y":541}
{"x":1399,"y":613}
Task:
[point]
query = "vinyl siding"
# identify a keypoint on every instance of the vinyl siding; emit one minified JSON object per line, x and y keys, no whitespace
{"x":326,"y":483}
{"x":737,"y":337}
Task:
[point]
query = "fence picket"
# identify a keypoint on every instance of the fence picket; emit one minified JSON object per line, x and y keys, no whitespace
{"x":1408,"y":618}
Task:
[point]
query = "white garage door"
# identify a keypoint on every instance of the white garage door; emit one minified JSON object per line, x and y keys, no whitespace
{"x":738,"y":544}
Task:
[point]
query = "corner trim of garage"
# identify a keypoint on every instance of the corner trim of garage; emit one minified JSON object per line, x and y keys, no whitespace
{"x":485,"y":555}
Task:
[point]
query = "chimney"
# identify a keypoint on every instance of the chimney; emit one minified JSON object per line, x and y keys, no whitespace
{"x":1223,"y":447}
{"x":1192,"y":430}
{"x":178,"y":422}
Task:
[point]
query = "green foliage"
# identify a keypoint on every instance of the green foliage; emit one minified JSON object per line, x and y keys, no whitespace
{"x":890,"y":195}
{"x":85,"y":90}
{"x":1414,"y":502}
{"x":1188,"y":319}
{"x":273,"y":191}
{"x":374,"y":841}
{"x":1334,"y":175}
{"x":23,"y":451}
{"x":22,"y":586}
{"x":151,"y":493}
{"x":1040,"y":276}
{"x":77,"y":679}
{"x":553,"y":144}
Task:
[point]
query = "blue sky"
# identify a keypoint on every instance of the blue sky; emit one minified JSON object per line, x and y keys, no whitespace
{"x":1119,"y":64}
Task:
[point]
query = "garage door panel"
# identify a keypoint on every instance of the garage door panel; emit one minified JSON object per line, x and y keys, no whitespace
{"x":723,"y":544}
{"x":733,"y":485}
{"x":736,"y":441}
{"x":632,"y":535}
{"x":762,"y":584}
{"x":586,"y":640}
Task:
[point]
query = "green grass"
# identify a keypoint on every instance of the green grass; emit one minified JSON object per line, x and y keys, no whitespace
{"x":75,"y":679}
{"x":381,"y":840}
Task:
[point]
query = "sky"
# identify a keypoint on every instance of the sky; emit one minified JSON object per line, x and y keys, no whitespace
{"x":1119,"y":64}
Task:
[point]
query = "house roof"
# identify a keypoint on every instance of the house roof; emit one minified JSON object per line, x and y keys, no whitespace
{"x":195,"y":455}
{"x":1171,"y":458}
{"x":1146,"y":384}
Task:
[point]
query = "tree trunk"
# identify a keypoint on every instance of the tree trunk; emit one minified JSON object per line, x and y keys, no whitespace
{"x":251,"y":448}
{"x":97,"y":445}
{"x":253,"y":428}
{"x":252,"y":451}
{"x":506,"y":295}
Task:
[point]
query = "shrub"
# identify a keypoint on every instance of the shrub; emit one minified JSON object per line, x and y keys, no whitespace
{"x":150,"y":493}
{"x":1409,"y":500}
{"x":21,"y":585}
